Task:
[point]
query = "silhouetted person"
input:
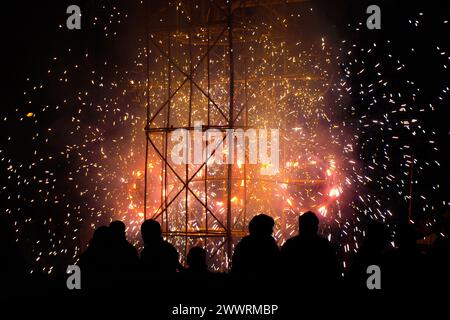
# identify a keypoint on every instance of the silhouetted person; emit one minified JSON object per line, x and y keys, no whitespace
{"x":405,"y":264}
{"x":196,"y":260}
{"x":309,"y":260}
{"x":196,"y":275}
{"x":125,"y":254}
{"x":13,"y":269}
{"x":96,"y":262}
{"x":125,"y":257}
{"x":256,"y":257}
{"x":373,"y":251}
{"x":158,"y":255}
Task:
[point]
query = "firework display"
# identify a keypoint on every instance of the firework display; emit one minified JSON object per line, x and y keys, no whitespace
{"x":357,"y":135}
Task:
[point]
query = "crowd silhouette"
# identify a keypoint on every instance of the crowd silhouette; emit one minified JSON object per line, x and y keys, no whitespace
{"x":306,"y":262}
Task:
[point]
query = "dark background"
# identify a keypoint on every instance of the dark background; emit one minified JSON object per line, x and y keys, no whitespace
{"x":30,"y":36}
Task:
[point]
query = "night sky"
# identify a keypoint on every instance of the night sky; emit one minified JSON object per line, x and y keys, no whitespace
{"x":34,"y":33}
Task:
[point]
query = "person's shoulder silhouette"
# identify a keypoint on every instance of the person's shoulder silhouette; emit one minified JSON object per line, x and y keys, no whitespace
{"x":257,"y":254}
{"x":125,"y":254}
{"x":308,"y":258}
{"x":98,"y":253}
{"x":196,"y":261}
{"x":97,"y":262}
{"x":158,"y":255}
{"x":308,"y":239}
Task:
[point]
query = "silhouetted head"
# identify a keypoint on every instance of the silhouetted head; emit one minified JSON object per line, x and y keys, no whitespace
{"x":261,"y":225}
{"x":405,"y":236}
{"x":101,"y":237}
{"x":150,"y":231}
{"x":196,"y":258}
{"x":377,"y":235}
{"x":308,"y":224}
{"x":117,"y":230}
